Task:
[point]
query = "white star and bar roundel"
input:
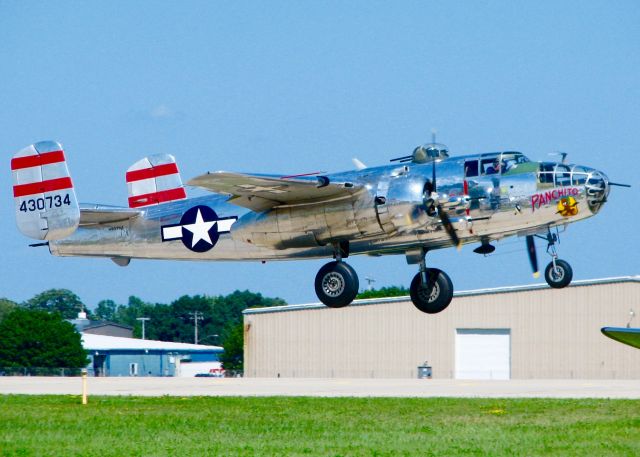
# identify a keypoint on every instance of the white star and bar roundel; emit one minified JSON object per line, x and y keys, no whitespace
{"x":199,"y":228}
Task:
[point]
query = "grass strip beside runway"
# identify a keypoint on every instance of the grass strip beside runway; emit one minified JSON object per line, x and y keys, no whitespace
{"x":197,"y":426}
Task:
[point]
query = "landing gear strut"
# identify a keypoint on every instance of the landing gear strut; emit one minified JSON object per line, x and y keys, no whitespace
{"x":431,"y":289}
{"x":337,"y":282}
{"x":558,"y":273}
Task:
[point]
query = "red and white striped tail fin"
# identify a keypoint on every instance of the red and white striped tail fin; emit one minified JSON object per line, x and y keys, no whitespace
{"x":154,"y":180}
{"x":45,"y":202}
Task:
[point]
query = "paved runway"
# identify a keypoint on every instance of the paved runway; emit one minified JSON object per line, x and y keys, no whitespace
{"x":557,"y":388}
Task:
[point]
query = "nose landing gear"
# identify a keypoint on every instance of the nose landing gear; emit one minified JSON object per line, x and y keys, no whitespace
{"x":558,"y":273}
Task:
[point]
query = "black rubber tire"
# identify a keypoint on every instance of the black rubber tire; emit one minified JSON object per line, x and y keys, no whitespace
{"x":562,"y":277}
{"x":337,"y":284}
{"x":422,"y":295}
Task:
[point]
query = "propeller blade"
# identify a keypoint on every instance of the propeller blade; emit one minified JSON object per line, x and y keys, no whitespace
{"x":533,"y":256}
{"x":433,"y":175}
{"x":448,"y":227}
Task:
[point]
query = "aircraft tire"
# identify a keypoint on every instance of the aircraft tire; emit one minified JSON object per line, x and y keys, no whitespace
{"x":559,"y":278}
{"x":436,"y":295}
{"x":337,"y":284}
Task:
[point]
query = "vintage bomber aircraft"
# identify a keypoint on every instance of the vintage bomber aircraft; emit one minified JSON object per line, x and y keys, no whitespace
{"x":423,"y":201}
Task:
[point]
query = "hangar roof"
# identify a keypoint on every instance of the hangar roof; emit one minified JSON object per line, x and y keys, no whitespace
{"x":103,"y":342}
{"x":464,"y":293}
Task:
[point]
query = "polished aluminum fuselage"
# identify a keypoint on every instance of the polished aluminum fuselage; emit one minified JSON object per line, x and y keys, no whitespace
{"x":387,"y":216}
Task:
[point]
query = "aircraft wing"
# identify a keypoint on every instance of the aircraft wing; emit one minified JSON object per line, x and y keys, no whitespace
{"x":630,"y":336}
{"x":100,"y":214}
{"x":261,"y":192}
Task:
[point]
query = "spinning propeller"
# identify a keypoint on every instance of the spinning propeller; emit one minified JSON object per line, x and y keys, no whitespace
{"x":433,"y":205}
{"x":533,"y":256}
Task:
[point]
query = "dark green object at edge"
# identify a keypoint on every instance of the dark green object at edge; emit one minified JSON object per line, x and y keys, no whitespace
{"x":630,"y":336}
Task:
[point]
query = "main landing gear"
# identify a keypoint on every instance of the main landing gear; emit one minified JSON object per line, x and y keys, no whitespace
{"x":431,"y":289}
{"x":337,"y":284}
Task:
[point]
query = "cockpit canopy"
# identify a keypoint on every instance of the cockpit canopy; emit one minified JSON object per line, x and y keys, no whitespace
{"x":495,"y":163}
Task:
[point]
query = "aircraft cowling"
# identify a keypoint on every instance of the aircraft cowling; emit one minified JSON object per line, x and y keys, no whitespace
{"x":312,"y":225}
{"x":401,"y":202}
{"x":409,"y":203}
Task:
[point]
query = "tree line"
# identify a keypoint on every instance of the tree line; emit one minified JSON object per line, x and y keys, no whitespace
{"x":219,"y":318}
{"x":35,"y":334}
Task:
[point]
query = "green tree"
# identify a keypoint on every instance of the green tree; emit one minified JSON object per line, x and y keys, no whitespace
{"x":392,"y":291}
{"x":6,"y":306}
{"x":233,"y":342}
{"x":37,"y":338}
{"x":173,"y":322}
{"x":62,"y":301}
{"x":106,"y":310}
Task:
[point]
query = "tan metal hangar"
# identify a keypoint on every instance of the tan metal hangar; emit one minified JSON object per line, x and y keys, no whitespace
{"x":520,"y":332}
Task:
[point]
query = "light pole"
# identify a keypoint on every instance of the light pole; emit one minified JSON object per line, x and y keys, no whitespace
{"x":210,"y":336}
{"x":143,"y":320}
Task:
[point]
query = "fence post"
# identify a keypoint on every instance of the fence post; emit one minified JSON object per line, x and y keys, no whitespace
{"x":84,"y":386}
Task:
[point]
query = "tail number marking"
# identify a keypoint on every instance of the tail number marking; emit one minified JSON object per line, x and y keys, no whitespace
{"x":40,"y":204}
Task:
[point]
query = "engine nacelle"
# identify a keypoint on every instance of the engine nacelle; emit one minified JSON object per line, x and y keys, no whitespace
{"x":309,"y":225}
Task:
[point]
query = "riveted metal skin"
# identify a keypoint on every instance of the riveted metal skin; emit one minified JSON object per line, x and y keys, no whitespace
{"x":383,"y":213}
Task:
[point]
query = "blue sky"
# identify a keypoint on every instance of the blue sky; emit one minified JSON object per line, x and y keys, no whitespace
{"x":293,"y":87}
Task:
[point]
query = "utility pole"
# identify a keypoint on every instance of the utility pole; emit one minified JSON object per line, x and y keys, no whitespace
{"x":370,"y":282}
{"x":195,"y":317}
{"x":143,"y":320}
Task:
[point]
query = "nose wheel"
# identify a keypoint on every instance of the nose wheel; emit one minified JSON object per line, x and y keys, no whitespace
{"x":558,"y":274}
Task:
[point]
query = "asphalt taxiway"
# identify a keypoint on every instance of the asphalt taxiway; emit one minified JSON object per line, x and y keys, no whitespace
{"x":148,"y":386}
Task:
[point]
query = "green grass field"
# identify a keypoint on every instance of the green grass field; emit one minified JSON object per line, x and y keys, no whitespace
{"x":207,"y":426}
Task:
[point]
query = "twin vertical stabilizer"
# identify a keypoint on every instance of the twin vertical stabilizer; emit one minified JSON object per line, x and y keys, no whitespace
{"x":153,"y":180}
{"x":45,"y":201}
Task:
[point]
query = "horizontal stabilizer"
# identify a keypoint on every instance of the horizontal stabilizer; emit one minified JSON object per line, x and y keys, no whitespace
{"x":45,"y":201}
{"x":100,"y":214}
{"x":261,"y":192}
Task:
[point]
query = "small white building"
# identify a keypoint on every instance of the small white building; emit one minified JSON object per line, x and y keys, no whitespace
{"x":506,"y":333}
{"x":118,"y":356}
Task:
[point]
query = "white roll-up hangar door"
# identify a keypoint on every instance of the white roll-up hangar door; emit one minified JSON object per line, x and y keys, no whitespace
{"x":483,"y":354}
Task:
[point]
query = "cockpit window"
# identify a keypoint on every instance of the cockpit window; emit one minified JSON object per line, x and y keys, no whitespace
{"x":491,"y":166}
{"x":579,"y":175}
{"x":562,"y":175}
{"x":512,"y":160}
{"x":470,"y":168}
{"x":497,"y":163}
{"x":546,"y":172}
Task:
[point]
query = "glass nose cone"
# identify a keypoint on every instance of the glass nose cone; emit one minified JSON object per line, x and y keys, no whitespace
{"x":597,"y":189}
